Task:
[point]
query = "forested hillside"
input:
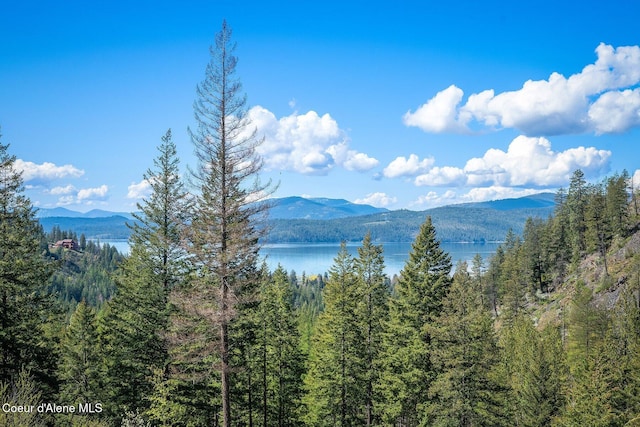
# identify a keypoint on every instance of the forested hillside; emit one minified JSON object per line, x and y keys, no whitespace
{"x":454,"y":224}
{"x":192,"y":329}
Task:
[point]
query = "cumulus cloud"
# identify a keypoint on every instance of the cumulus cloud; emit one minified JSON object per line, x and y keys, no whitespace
{"x":351,"y":160}
{"x":527,"y":162}
{"x":38,"y":174}
{"x":531,"y":161}
{"x":138,"y":190}
{"x":442,"y":176}
{"x":495,"y":192}
{"x":93,"y":194}
{"x":379,"y":200}
{"x":403,"y":167}
{"x":600,"y":99}
{"x":439,"y":113}
{"x":306,"y":143}
{"x":67,"y":189}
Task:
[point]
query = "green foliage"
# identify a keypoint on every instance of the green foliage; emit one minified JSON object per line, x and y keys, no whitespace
{"x":80,"y":359}
{"x":132,"y":328}
{"x":334,"y":382}
{"x":23,"y":394}
{"x":281,"y":362}
{"x":371,"y":312}
{"x":419,"y":293}
{"x":458,"y":223}
{"x":464,"y":356}
{"x":25,"y":306}
{"x":534,"y":371}
{"x":85,"y":276}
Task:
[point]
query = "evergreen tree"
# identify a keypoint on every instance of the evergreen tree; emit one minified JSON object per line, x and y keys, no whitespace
{"x":534,"y":369}
{"x":223,"y":237}
{"x":512,"y":281}
{"x":598,"y":233}
{"x":419,"y":293}
{"x":534,"y":250}
{"x":464,"y":355}
{"x":559,"y":241}
{"x":24,"y":391}
{"x":576,"y":204}
{"x":617,"y":203}
{"x":371,"y":311}
{"x":282,"y":363}
{"x":26,"y":311}
{"x":334,"y":382}
{"x":132,"y":330}
{"x":80,"y":361}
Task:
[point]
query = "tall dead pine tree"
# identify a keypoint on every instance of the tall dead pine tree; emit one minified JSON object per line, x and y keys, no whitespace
{"x":223,"y":237}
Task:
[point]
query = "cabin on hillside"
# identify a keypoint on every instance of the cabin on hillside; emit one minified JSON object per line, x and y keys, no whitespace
{"x":67,"y":244}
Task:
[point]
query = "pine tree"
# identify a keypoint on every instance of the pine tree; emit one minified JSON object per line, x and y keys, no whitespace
{"x":334,"y":380}
{"x":223,"y":236}
{"x":419,"y":293}
{"x":132,"y":330}
{"x":465,"y":391}
{"x":598,"y":232}
{"x":282,"y":363}
{"x":559,"y":241}
{"x":80,"y":361}
{"x":371,"y":312}
{"x":576,"y":204}
{"x":512,"y":280}
{"x":534,"y":369}
{"x":617,"y":203}
{"x":25,"y":308}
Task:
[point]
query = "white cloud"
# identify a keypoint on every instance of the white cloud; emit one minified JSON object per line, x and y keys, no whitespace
{"x":439,"y":113}
{"x":66,"y":200}
{"x":351,"y":160}
{"x":527,"y":163}
{"x":616,"y":112}
{"x":93,"y":194}
{"x":306,"y":143}
{"x":412,"y":166}
{"x":378,"y":199}
{"x":45,"y":172}
{"x":531,"y":161}
{"x":599,"y":99}
{"x":139,"y":190}
{"x":447,"y":176}
{"x":495,"y":192}
{"x":433,"y":199}
{"x":57,"y":191}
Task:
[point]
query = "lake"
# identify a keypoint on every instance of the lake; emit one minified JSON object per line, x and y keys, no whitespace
{"x":315,"y":258}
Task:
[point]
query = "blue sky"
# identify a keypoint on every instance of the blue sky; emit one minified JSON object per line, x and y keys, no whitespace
{"x":407,"y":104}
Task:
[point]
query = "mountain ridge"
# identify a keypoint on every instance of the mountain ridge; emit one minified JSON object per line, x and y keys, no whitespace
{"x":324,"y":220}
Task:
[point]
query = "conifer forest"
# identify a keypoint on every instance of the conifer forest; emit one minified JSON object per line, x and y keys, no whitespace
{"x":191,"y":328}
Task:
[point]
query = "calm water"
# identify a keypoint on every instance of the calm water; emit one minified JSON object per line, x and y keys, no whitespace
{"x":318,"y":257}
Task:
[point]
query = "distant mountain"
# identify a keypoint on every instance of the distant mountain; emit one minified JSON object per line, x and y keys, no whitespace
{"x":62,"y":212}
{"x":67,"y":213}
{"x":324,"y":220}
{"x":470,"y":222}
{"x":535,"y":201}
{"x":317,"y":208}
